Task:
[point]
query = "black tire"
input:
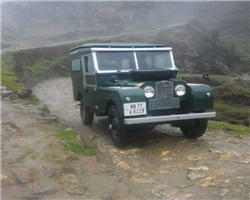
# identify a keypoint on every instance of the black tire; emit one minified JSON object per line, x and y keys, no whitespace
{"x":118,"y":135}
{"x":86,"y":115}
{"x":149,"y":127}
{"x":195,"y":130}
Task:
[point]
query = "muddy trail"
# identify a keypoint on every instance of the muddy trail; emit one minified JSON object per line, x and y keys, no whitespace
{"x":157,"y":164}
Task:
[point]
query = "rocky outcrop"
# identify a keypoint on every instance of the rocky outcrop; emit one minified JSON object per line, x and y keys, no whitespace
{"x":24,"y":93}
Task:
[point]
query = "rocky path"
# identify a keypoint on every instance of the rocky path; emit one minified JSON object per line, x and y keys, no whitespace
{"x":162,"y":163}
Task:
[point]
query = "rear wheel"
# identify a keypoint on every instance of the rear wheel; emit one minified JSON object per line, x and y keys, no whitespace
{"x":118,"y":135}
{"x":196,"y":129}
{"x":86,"y":115}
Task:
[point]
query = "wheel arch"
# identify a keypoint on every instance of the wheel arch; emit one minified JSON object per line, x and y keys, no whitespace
{"x":79,"y":96}
{"x":109,"y":103}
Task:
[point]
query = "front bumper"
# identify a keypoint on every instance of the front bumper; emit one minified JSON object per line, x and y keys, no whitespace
{"x":168,"y":118}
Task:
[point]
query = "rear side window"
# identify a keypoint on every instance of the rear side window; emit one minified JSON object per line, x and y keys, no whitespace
{"x":76,"y":65}
{"x":89,"y":64}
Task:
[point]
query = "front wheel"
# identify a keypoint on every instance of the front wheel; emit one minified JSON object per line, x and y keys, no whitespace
{"x":118,"y":135}
{"x":86,"y":115}
{"x":196,"y":129}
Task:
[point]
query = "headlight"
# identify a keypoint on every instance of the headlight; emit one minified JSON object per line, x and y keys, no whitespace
{"x":149,"y":91}
{"x":180,"y":90}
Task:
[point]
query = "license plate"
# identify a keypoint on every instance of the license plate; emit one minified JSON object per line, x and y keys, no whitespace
{"x":131,"y":109}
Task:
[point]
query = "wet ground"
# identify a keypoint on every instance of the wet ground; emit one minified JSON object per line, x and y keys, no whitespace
{"x":158,"y":164}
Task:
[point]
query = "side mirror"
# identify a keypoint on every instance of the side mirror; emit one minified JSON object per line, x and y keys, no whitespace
{"x":113,"y":79}
{"x":205,"y":76}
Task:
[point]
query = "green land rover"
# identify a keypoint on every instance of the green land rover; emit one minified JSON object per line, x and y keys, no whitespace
{"x":135,"y":85}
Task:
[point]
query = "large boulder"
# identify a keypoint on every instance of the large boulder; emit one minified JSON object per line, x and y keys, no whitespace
{"x":24,"y":93}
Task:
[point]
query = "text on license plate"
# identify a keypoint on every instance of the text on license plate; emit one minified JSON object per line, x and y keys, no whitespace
{"x":138,"y":108}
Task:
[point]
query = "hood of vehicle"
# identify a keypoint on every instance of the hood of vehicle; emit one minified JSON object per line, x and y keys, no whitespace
{"x":139,"y":84}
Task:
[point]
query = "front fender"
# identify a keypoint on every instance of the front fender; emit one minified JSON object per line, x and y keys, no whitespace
{"x":200,"y":97}
{"x":118,"y":95}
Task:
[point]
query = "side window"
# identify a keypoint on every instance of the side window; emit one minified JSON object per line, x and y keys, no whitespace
{"x":125,"y":64}
{"x":76,"y":65}
{"x":89,"y":64}
{"x":148,"y":60}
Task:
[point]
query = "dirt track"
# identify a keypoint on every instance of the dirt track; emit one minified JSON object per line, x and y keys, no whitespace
{"x":155,"y":164}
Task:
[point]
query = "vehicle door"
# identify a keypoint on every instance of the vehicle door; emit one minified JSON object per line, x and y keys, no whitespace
{"x":76,"y":75}
{"x":89,"y":81}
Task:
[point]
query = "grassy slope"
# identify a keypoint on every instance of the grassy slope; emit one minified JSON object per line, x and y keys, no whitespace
{"x":230,"y":128}
{"x":8,"y":76}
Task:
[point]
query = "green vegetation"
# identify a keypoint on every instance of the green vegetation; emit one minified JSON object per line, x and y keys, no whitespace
{"x":235,"y":44}
{"x":8,"y":76}
{"x":232,"y":114}
{"x":73,"y":144}
{"x":33,"y":100}
{"x":231,"y":128}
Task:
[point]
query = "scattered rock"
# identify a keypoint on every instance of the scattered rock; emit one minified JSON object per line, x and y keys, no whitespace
{"x":6,"y":93}
{"x":107,"y":197}
{"x":193,"y":157}
{"x":183,"y":185}
{"x":92,"y":137}
{"x":4,"y":88}
{"x":32,"y":196}
{"x":69,"y":129}
{"x":22,"y":173}
{"x":53,"y":118}
{"x":223,"y":192}
{"x":46,"y":172}
{"x":69,"y":179}
{"x":215,"y":151}
{"x":192,"y":176}
{"x":43,"y":108}
{"x":198,"y":168}
{"x":208,"y":181}
{"x":113,"y":151}
{"x":2,"y":177}
{"x":75,"y":189}
{"x":162,"y":172}
{"x":24,"y":93}
{"x":72,"y":157}
{"x":244,"y":161}
{"x":184,"y":196}
{"x":164,"y":153}
{"x":222,"y":171}
{"x":5,"y":181}
{"x":225,"y":156}
{"x":45,"y":190}
{"x":13,"y":96}
{"x":167,"y":159}
{"x":141,"y":180}
{"x":233,"y":140}
{"x":124,"y":166}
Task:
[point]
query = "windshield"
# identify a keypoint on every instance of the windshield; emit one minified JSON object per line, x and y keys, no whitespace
{"x":147,"y":60}
{"x":155,"y":60}
{"x":115,"y":60}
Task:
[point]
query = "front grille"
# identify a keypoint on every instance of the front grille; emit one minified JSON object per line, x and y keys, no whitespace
{"x":164,"y":97}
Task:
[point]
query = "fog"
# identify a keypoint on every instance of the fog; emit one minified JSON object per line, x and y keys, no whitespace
{"x":25,"y":23}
